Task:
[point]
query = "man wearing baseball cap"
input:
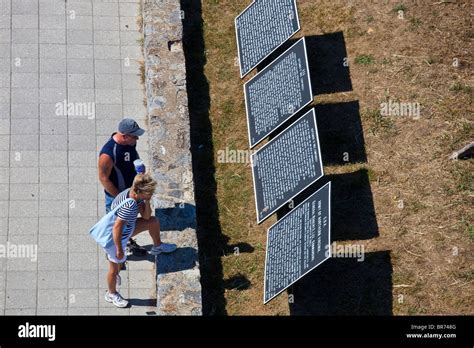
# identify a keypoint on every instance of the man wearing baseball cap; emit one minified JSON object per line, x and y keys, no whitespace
{"x":116,"y":169}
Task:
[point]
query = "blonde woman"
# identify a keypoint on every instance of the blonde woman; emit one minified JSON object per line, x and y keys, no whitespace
{"x":127,"y":225}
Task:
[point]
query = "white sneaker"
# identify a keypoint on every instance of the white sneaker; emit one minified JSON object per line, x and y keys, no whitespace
{"x":116,"y":299}
{"x":128,"y":251}
{"x":163,"y":248}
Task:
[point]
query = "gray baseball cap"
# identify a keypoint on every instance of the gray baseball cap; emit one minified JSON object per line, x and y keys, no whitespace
{"x":130,"y":126}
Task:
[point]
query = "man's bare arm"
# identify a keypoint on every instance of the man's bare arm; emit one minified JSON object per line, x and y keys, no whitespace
{"x":105,"y":168}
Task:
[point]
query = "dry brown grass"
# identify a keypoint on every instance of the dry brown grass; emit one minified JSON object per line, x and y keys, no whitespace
{"x":141,"y":71}
{"x":139,"y":20}
{"x":431,"y":250}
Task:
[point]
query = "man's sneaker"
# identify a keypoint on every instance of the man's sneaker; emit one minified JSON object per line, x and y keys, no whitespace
{"x":163,"y":248}
{"x":116,"y":299}
{"x":134,"y":249}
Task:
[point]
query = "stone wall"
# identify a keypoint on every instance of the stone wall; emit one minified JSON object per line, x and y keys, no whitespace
{"x":178,"y":285}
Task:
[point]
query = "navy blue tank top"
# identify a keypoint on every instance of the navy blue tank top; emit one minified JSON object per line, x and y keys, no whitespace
{"x":123,"y":172}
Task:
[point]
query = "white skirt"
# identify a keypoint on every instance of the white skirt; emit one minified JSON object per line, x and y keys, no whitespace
{"x":112,"y":252}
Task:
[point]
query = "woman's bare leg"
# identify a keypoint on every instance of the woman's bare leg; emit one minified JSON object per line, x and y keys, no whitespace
{"x":114,"y":269}
{"x":152,"y":225}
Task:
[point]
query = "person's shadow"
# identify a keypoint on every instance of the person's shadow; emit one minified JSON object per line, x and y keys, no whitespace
{"x":138,"y":302}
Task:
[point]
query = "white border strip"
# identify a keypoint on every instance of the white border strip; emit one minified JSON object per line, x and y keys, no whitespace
{"x":304,"y":188}
{"x":291,"y":115}
{"x":268,"y":237}
{"x":238,"y":44}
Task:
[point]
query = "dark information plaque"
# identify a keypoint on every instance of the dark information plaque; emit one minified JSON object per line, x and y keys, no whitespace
{"x":286,"y":165}
{"x":261,"y":28}
{"x":298,"y":243}
{"x":277,"y":92}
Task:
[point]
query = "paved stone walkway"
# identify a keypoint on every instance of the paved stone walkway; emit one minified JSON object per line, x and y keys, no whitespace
{"x":68,"y":74}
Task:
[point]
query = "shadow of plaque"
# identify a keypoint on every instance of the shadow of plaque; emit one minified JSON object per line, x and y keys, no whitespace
{"x":353,"y":212}
{"x":328,"y":63}
{"x":345,"y":286}
{"x":340,"y":133}
{"x":352,"y":207}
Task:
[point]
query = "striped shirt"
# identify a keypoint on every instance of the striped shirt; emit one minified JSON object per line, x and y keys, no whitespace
{"x":127,"y":213}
